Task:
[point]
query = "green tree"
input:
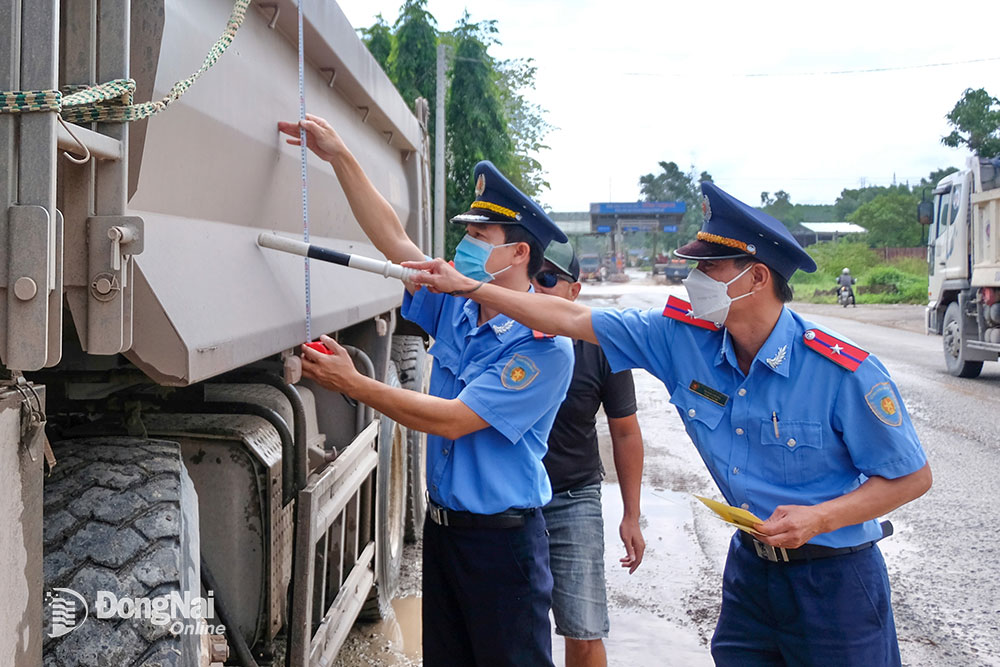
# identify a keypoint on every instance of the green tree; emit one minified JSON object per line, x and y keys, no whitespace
{"x":673,"y":184}
{"x":413,"y":61}
{"x":477,"y":127}
{"x":525,"y":122}
{"x":976,"y":119}
{"x":379,"y":39}
{"x":889,"y":220}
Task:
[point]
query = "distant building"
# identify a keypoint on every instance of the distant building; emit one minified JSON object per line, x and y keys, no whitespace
{"x":620,"y":217}
{"x":814,"y":232}
{"x":573,"y":222}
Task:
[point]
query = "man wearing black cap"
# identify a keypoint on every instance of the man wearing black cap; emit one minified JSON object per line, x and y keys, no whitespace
{"x":794,"y":424}
{"x":495,"y":389}
{"x":573,"y":518}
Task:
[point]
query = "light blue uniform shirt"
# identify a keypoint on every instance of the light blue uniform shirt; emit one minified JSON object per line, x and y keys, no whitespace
{"x":834,"y":430}
{"x":514,"y":381}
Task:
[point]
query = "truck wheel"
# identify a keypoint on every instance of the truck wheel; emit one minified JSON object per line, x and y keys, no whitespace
{"x":121,"y":517}
{"x":954,"y":352}
{"x":414,"y":365}
{"x":390,"y":511}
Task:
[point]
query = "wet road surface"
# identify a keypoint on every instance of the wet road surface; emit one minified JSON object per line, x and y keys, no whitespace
{"x":942,"y":560}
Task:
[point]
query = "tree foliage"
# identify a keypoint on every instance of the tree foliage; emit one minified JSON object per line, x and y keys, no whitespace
{"x":477,"y":127}
{"x":488,"y":114}
{"x":890,"y":221}
{"x":525,"y":122}
{"x":673,"y":184}
{"x":413,"y":61}
{"x":976,"y":119}
{"x":379,"y":39}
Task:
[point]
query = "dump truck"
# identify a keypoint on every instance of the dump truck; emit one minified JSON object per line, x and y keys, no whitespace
{"x":963,"y":260}
{"x":175,"y":492}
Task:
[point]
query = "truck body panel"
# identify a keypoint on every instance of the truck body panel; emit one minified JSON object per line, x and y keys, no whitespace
{"x":179,"y":331}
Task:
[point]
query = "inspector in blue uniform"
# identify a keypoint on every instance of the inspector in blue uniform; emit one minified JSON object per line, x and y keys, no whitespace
{"x":487,"y":586}
{"x":811,"y":419}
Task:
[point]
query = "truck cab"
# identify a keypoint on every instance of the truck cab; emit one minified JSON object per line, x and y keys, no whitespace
{"x":963,"y":265}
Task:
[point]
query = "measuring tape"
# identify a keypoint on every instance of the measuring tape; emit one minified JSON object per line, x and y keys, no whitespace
{"x":305,"y":166}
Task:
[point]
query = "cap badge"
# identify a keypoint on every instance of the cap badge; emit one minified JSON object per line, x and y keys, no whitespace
{"x":706,"y":208}
{"x":480,"y":185}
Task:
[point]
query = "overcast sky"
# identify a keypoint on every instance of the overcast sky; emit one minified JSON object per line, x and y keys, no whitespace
{"x":739,"y":89}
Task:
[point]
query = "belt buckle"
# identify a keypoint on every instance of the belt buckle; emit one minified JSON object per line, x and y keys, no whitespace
{"x":767,"y":552}
{"x":438,"y":514}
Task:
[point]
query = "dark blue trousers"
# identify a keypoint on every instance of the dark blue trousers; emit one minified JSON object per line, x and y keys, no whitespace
{"x":486,"y":597}
{"x":830,"y":611}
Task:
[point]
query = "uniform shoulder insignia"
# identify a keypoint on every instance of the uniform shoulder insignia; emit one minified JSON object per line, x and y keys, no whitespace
{"x":519,"y":372}
{"x":539,"y":334}
{"x":838,"y":351}
{"x":883,"y":403}
{"x":679,"y":309}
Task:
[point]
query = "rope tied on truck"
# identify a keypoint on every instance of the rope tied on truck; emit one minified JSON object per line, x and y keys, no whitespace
{"x":111,"y":102}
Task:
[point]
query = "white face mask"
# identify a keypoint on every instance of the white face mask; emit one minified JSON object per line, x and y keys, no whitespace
{"x":710,"y":298}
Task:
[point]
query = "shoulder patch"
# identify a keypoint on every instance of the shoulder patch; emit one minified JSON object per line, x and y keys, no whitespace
{"x":539,"y":335}
{"x":679,"y":309}
{"x":839,"y":352}
{"x":883,"y":403}
{"x":519,"y":372}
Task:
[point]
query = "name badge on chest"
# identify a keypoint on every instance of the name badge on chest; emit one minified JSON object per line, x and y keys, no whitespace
{"x":705,"y":391}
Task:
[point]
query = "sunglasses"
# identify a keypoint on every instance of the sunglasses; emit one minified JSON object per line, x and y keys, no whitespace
{"x":549,"y":279}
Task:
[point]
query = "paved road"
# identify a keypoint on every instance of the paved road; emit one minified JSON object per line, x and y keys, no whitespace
{"x":942,"y":560}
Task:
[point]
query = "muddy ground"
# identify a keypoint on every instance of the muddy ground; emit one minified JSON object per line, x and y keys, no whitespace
{"x":665,"y":613}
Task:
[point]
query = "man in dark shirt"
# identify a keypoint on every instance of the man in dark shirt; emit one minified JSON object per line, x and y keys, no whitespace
{"x":573,"y":518}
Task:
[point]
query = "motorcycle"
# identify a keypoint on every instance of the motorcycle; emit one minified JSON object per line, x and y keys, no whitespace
{"x":844,"y":296}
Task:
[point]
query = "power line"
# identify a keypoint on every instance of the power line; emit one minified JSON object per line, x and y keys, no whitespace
{"x":868,"y":70}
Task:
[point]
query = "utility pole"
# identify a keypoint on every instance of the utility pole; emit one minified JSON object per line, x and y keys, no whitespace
{"x":439,"y":139}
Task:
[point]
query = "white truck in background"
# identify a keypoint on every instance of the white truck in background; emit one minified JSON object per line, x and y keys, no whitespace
{"x":963,"y":259}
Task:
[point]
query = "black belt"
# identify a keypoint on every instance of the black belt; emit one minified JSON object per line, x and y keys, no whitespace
{"x":806,"y":551}
{"x":442,"y":516}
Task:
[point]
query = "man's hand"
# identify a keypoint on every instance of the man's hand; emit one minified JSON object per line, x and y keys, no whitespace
{"x":791,"y":526}
{"x":334,"y":371}
{"x":321,"y":138}
{"x":635,"y":546}
{"x":440,"y":276}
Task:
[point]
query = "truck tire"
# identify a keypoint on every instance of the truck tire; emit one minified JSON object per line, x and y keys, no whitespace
{"x":952,"y":337}
{"x":121,"y":515}
{"x":390,"y":511}
{"x":414,"y":366}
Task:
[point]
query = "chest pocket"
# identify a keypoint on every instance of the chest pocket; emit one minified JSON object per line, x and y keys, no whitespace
{"x":446,"y":356}
{"x":795,"y":456}
{"x":696,"y":410}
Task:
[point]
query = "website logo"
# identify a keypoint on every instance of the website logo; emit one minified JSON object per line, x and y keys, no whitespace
{"x":68,"y":611}
{"x":182,"y":613}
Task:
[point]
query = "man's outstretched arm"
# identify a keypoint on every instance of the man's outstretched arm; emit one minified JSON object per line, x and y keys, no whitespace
{"x":376,"y":216}
{"x":549,"y":314}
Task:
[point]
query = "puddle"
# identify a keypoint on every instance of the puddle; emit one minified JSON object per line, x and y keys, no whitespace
{"x":402,"y":627}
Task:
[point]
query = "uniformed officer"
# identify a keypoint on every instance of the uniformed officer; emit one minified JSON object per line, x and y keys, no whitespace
{"x":495,"y":389}
{"x":794,"y":423}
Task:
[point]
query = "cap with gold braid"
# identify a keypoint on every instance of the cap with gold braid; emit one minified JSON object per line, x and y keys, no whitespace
{"x":733,"y":229}
{"x":498,"y":201}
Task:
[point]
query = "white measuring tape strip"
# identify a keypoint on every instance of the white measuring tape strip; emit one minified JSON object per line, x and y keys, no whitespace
{"x":305,"y":168}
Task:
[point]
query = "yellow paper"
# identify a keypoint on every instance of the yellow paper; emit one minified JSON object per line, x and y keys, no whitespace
{"x":736,"y":516}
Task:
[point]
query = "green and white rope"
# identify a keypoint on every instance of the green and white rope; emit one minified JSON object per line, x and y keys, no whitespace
{"x":111,"y":102}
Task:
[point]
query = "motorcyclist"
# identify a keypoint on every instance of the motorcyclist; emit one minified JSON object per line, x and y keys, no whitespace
{"x":845,"y":279}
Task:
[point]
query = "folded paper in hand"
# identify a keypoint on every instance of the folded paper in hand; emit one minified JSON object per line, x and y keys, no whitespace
{"x":736,"y":516}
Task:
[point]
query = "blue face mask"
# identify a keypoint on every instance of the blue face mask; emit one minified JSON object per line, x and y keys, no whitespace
{"x":471,"y":256}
